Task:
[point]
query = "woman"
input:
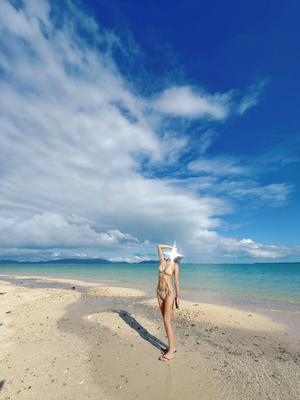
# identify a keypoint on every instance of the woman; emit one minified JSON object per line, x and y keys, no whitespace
{"x":165,"y":293}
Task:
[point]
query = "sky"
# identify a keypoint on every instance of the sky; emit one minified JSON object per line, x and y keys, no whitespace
{"x":125,"y":124}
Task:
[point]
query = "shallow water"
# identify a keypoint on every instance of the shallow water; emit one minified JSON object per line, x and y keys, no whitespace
{"x":273,"y":283}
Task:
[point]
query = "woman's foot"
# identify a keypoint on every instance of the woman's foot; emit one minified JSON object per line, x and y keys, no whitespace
{"x":167,"y":356}
{"x":164,"y":351}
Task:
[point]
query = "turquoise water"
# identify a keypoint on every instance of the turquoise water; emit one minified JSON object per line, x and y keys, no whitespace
{"x":274,"y":282}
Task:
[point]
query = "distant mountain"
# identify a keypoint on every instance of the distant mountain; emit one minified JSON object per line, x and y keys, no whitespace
{"x":61,"y":261}
{"x":8,"y":261}
{"x":75,"y":261}
{"x":148,"y":262}
{"x":78,"y":261}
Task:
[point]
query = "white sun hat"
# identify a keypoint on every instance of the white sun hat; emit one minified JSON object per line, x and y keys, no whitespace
{"x":173,"y":253}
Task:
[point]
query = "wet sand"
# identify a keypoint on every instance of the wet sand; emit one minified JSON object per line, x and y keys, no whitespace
{"x":70,"y":339}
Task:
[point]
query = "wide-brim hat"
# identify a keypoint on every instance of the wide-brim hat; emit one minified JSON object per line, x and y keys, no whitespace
{"x":173,"y":253}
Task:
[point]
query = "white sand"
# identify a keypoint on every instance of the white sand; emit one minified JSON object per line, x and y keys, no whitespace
{"x":104,"y":344}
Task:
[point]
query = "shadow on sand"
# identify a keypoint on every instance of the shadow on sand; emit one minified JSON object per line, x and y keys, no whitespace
{"x":2,"y":384}
{"x":134,"y":324}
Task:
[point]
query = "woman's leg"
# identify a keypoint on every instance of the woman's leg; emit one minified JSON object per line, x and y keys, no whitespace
{"x":161,"y":304}
{"x":168,"y":304}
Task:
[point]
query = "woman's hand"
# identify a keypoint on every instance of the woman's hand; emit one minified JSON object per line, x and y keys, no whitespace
{"x":177,"y":301}
{"x":160,"y":252}
{"x":167,"y":246}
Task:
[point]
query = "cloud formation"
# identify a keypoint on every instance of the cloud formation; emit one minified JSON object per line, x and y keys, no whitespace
{"x":251,"y":98}
{"x":222,"y":166}
{"x":185,"y":102}
{"x":75,"y":142}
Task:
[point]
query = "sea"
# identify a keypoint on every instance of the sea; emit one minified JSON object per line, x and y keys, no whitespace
{"x":273,"y":285}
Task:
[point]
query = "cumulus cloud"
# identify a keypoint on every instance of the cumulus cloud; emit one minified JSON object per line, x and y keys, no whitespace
{"x":53,"y":230}
{"x":75,"y":141}
{"x":213,"y":245}
{"x":72,"y":138}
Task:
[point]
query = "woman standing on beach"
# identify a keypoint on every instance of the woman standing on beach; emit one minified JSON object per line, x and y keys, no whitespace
{"x":165,"y":294}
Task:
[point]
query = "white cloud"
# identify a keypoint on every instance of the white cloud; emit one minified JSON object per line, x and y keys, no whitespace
{"x":213,"y":245}
{"x":237,"y":179}
{"x":222,"y":165}
{"x":70,"y":152}
{"x":186,"y":102}
{"x":74,"y":138}
{"x":194,"y":103}
{"x":50,"y":229}
{"x":205,"y":140}
{"x":277,"y":193}
{"x":130,"y":259}
{"x":260,"y":251}
{"x":252,"y":97}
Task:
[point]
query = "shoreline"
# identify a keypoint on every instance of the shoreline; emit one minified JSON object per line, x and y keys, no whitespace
{"x":104,"y":341}
{"x":276,"y":288}
{"x":280,"y":311}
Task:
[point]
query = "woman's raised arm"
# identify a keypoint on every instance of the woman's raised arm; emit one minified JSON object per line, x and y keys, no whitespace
{"x":160,"y":253}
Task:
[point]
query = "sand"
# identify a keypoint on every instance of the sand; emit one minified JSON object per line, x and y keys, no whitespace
{"x":67,"y":339}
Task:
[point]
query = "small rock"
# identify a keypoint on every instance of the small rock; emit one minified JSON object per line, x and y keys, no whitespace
{"x":73,"y":287}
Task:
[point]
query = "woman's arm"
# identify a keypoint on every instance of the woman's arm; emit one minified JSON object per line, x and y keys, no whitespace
{"x":176,"y":280}
{"x":165,"y":246}
{"x":159,"y":250}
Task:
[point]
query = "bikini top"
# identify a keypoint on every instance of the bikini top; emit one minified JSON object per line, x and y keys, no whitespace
{"x":167,"y":271}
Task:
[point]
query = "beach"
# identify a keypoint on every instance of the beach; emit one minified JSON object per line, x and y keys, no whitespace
{"x":144,"y":145}
{"x":73,"y":339}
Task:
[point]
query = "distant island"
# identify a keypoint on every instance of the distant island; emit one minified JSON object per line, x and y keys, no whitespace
{"x":105,"y":261}
{"x":77,"y":261}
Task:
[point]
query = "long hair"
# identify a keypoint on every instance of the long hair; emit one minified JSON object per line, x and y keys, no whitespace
{"x":177,"y":260}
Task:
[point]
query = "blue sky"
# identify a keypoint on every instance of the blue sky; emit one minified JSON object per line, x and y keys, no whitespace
{"x":124,"y":124}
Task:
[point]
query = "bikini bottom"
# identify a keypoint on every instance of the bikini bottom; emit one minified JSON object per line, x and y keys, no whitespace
{"x":164,"y":293}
